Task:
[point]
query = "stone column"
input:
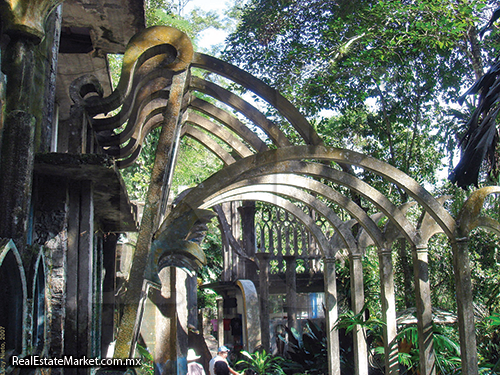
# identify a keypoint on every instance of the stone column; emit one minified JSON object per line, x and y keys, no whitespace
{"x":227,"y":261}
{"x":357,"y":304}
{"x":171,"y":326}
{"x":18,"y":140}
{"x":165,"y":353}
{"x":192,"y":300}
{"x":220,"y":321}
{"x":331,"y":316}
{"x":465,"y":308}
{"x":264,"y":298}
{"x":150,"y":218}
{"x":24,"y":22}
{"x":388,"y":311}
{"x":181,"y":307}
{"x":80,"y":268}
{"x":291,"y":290}
{"x":52,"y":203}
{"x":108,"y":291}
{"x":424,"y":310}
{"x":238,"y":264}
{"x":247,"y":213}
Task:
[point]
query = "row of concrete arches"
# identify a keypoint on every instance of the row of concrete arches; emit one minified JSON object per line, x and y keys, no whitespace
{"x":24,"y":305}
{"x":264,"y":165}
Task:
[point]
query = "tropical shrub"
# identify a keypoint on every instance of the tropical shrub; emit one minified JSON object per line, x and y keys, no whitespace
{"x":307,"y":353}
{"x":260,"y":363}
{"x":147,"y":367}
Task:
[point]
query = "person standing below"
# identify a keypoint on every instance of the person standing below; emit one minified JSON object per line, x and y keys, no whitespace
{"x":218,"y":365}
{"x":194,"y":368}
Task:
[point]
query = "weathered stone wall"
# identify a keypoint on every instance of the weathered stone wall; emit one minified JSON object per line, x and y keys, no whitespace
{"x":51,"y":232}
{"x":46,"y":59}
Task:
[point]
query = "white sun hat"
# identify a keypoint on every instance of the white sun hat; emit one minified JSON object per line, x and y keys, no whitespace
{"x":192,"y":355}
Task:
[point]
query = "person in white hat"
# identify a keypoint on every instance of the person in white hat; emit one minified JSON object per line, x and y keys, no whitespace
{"x":221,"y":356}
{"x":194,"y":368}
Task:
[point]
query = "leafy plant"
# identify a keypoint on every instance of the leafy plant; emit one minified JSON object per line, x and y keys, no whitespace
{"x":147,"y":366}
{"x":446,"y":350}
{"x":307,"y":352}
{"x":348,"y":321}
{"x":491,"y":364}
{"x":261,"y":363}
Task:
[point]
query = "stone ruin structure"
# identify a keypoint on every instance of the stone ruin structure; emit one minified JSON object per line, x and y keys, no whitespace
{"x":70,"y":288}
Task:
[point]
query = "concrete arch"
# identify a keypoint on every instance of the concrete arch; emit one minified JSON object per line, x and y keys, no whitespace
{"x":229,"y":121}
{"x":14,"y":301}
{"x":320,"y":170}
{"x":291,"y":192}
{"x":231,"y":174}
{"x":208,"y":142}
{"x":287,"y":180}
{"x":266,"y":92}
{"x":288,"y":206}
{"x":251,"y":313}
{"x":248,"y":110}
{"x":220,"y":132}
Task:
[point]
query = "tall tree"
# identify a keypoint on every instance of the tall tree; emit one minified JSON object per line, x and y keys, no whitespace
{"x":388,"y":71}
{"x":389,"y":66}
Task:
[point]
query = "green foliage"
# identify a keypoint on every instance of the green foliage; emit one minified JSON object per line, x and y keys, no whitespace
{"x":371,"y":280}
{"x":172,"y":13}
{"x":494,"y":319}
{"x":446,"y":350}
{"x":154,"y":10}
{"x":194,"y":164}
{"x":138,"y":175}
{"x":387,"y":70}
{"x":261,"y":363}
{"x":212,"y":247}
{"x":307,"y":352}
{"x":490,"y":333}
{"x":441,"y":274}
{"x":349,"y":320}
{"x":147,"y":367}
{"x":311,"y":43}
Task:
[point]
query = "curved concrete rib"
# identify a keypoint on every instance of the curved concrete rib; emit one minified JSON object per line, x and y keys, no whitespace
{"x":286,"y":155}
{"x":277,"y":181}
{"x":249,"y":111}
{"x":166,"y":48}
{"x":266,"y":92}
{"x":295,"y":193}
{"x":291,"y":208}
{"x":220,"y":132}
{"x":208,"y":142}
{"x":229,"y":121}
{"x":342,"y":178}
